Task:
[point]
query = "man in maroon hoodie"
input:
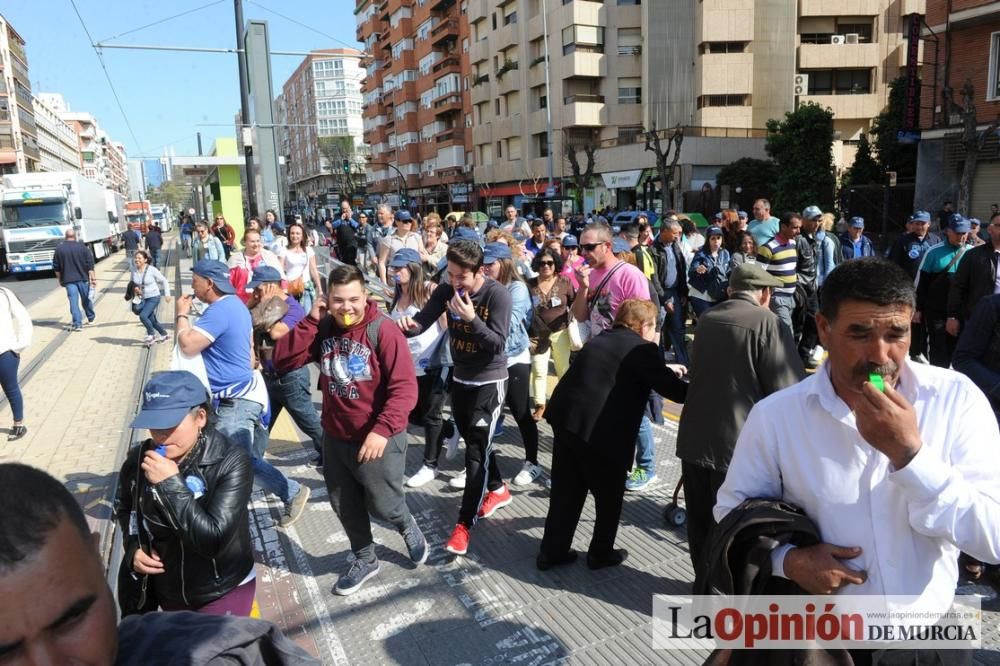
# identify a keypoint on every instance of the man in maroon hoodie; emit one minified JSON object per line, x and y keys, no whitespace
{"x":369,"y":388}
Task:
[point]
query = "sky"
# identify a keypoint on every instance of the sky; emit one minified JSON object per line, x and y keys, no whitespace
{"x":165,"y":95}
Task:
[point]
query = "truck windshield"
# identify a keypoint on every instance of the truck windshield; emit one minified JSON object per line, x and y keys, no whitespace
{"x":23,"y":215}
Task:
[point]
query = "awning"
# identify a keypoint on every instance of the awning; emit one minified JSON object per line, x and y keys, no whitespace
{"x":621,"y":180}
{"x":8,"y":157}
{"x":515,"y":189}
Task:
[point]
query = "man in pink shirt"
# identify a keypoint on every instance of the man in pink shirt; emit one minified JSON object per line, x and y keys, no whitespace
{"x":605,"y":280}
{"x":571,"y":260}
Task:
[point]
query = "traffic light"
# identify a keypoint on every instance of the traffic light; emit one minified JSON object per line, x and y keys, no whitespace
{"x":347,"y":166}
{"x":403,"y":201}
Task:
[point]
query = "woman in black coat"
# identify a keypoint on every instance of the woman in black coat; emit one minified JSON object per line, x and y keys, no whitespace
{"x":182,"y":508}
{"x":595,"y":412}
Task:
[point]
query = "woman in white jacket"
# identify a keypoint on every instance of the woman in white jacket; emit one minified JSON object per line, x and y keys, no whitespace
{"x":15,"y":336}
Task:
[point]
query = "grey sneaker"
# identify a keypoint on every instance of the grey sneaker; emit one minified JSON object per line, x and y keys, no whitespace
{"x":639,"y":480}
{"x":356,"y":576}
{"x":415,"y":543}
{"x":294,"y":509}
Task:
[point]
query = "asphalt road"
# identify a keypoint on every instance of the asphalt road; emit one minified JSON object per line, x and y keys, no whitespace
{"x":36,"y":286}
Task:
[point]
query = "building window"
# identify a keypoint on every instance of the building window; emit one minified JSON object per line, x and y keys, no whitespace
{"x":993,"y":91}
{"x":723,"y":47}
{"x":629,"y":90}
{"x":723,"y":100}
{"x":839,"y":81}
{"x":627,"y":135}
{"x":629,"y":2}
{"x":587,"y":38}
{"x":541,"y":141}
{"x":629,"y":41}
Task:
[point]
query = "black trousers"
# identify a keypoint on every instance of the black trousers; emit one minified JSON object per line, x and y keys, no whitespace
{"x":805,"y":325}
{"x":577,"y":470}
{"x":519,"y":404}
{"x":476,"y":410}
{"x":431,"y":395}
{"x":701,"y":485}
{"x":941,"y":344}
{"x":918,"y":340}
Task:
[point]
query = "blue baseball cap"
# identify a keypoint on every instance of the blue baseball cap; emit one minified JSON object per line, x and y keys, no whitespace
{"x":959,"y":224}
{"x":463,"y":233}
{"x":403,"y":257}
{"x":714,"y":231}
{"x":264,"y":274}
{"x":718,"y":215}
{"x":812,"y":212}
{"x":619,"y":245}
{"x":167,"y":398}
{"x":920,"y":216}
{"x":975,"y":222}
{"x":403,"y":216}
{"x":569,"y":240}
{"x":858,"y":222}
{"x":519,"y":237}
{"x":530,"y":217}
{"x":494,"y":251}
{"x":742,"y":214}
{"x":217,"y":272}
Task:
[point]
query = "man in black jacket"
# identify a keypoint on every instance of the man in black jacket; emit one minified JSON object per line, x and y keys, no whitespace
{"x":975,"y":278}
{"x":595,"y":413}
{"x":804,"y":316}
{"x":74,"y":266}
{"x":907,"y":253}
{"x":673,"y":279}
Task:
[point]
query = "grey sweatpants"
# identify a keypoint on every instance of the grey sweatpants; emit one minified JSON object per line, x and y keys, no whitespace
{"x":374,"y":488}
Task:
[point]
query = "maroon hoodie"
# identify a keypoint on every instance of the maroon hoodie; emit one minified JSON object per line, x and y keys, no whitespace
{"x":364,"y":389}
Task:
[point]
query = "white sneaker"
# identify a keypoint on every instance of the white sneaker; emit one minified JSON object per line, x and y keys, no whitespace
{"x":529,"y":472}
{"x":424,"y":475}
{"x":458,"y":481}
{"x":148,"y":340}
{"x":817,"y":354}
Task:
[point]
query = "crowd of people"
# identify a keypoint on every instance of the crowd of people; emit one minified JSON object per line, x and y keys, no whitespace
{"x":442,"y":324}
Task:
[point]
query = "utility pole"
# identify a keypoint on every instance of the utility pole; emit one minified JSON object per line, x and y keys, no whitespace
{"x":245,"y":105}
{"x":548,"y":93}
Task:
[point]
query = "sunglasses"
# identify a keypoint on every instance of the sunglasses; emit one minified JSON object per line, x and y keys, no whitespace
{"x":590,"y":247}
{"x":546,"y":263}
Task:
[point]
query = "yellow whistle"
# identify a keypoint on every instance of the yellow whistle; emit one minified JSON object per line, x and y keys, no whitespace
{"x":348,"y":319}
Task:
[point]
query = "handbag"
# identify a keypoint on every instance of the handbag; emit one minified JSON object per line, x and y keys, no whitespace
{"x":296,"y":287}
{"x":135,"y":595}
{"x":130,"y":290}
{"x":579,"y":331}
{"x":132,"y":293}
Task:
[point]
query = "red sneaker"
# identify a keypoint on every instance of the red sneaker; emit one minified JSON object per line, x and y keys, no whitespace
{"x":494,"y":500}
{"x":459,"y":541}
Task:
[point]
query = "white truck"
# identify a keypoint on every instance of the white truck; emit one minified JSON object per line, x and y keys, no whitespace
{"x":115,"y":205}
{"x":161,"y":217}
{"x":37,"y":209}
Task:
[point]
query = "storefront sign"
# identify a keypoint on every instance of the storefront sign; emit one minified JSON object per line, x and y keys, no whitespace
{"x":621,"y":179}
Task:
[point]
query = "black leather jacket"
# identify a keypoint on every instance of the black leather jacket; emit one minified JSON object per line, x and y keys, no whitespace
{"x":204,"y":542}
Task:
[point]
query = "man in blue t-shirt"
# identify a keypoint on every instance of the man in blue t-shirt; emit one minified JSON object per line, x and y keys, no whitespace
{"x":222,"y":337}
{"x":289,"y":390}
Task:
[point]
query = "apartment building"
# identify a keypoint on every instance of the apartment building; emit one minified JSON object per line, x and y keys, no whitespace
{"x":321,"y":99}
{"x":19,"y":152}
{"x":965,"y":35}
{"x":57,"y":142}
{"x":417,"y":108}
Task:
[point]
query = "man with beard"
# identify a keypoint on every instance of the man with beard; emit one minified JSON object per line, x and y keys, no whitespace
{"x":895,"y":462}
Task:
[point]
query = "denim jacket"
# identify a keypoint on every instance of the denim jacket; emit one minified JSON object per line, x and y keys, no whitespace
{"x":520,"y":313}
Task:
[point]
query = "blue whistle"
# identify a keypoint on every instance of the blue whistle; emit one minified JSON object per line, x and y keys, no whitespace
{"x":461,"y":294}
{"x":161,"y":450}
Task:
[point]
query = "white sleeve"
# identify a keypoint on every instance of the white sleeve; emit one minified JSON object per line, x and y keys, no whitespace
{"x":162,"y":280}
{"x":958,"y":499}
{"x":754,"y":470}
{"x":22,"y":323}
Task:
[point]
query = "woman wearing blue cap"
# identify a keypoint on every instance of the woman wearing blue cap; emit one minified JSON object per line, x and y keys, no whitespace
{"x":182,"y":508}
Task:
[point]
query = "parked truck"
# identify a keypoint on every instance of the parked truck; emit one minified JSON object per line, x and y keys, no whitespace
{"x":138,"y":215}
{"x":36,"y":211}
{"x":161,"y":217}
{"x":115,"y":204}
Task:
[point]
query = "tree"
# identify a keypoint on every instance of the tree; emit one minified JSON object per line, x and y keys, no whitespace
{"x":336,"y":149}
{"x":664,"y":169}
{"x":865,"y":170}
{"x":801,"y":147}
{"x":170,"y":192}
{"x":755,"y":178}
{"x":581,"y":175}
{"x":890,"y":154}
{"x":973,"y":142}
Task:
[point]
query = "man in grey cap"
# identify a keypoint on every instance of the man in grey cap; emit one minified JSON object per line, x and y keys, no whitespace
{"x":222,"y":336}
{"x":742,"y":353}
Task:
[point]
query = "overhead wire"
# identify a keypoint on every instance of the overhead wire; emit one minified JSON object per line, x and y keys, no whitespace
{"x":302,"y":25}
{"x":107,"y":75}
{"x":164,"y":20}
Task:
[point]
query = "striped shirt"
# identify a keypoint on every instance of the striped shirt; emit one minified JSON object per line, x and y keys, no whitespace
{"x":780,"y":260}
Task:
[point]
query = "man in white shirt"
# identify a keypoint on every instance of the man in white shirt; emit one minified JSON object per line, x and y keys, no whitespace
{"x":897,"y":482}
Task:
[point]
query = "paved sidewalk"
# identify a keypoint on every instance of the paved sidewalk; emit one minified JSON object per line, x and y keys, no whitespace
{"x":80,"y":400}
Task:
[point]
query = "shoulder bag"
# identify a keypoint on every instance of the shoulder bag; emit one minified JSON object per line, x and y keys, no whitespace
{"x":579,"y":331}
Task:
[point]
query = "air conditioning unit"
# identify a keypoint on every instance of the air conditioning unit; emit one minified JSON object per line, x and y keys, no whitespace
{"x":837,"y":39}
{"x":800,"y":84}
{"x":852,"y":38}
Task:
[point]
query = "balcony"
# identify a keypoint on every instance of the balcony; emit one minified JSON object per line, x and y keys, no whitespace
{"x":862,"y":106}
{"x":448,"y":103}
{"x":479,"y":51}
{"x":406,"y":91}
{"x":478,"y":9}
{"x":448,"y":137}
{"x":408,"y":154}
{"x":23,"y":98}
{"x":482,"y":134}
{"x":583,"y":111}
{"x":840,"y":56}
{"x":585,"y":64}
{"x":443,"y":32}
{"x":450,"y":65}
{"x":507,"y":35}
{"x":840,"y":8}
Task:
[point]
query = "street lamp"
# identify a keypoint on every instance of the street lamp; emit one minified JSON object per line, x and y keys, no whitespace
{"x":739,"y":202}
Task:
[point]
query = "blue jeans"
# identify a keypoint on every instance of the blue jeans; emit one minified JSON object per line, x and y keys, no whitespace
{"x":673,"y":325}
{"x":783,"y":305}
{"x":293,"y":391}
{"x":700,"y":305}
{"x":130,"y":255}
{"x":77,"y":292}
{"x":8,"y":380}
{"x":155,"y":256}
{"x":147,"y":315}
{"x":644,"y":446}
{"x":239,"y":421}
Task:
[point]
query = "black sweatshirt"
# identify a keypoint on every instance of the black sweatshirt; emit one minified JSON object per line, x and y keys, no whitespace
{"x":477,"y":347}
